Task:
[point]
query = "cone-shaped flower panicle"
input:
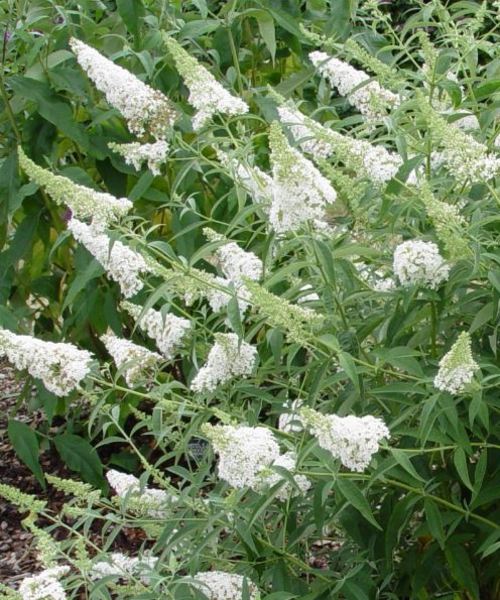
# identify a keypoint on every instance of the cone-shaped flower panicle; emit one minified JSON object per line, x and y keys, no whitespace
{"x":219,"y":585}
{"x":419,"y":263}
{"x":457,"y":367}
{"x":146,"y":500}
{"x":120,"y":262}
{"x":352,"y":440}
{"x":44,"y":586}
{"x":228,"y":358}
{"x":121,"y":566}
{"x":300,"y":192}
{"x":243,"y":452}
{"x":206,"y":94}
{"x":60,"y":366}
{"x":135,"y":154}
{"x":464,"y":157}
{"x":368,"y":96}
{"x":373,"y":162}
{"x":168,"y":331}
{"x":134,"y":359}
{"x":147,"y":111}
{"x":84,"y":202}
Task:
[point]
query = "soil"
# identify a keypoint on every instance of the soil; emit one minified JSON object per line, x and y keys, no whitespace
{"x":17,"y":551}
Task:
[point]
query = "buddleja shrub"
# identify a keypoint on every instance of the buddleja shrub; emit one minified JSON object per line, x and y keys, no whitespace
{"x":304,"y":387}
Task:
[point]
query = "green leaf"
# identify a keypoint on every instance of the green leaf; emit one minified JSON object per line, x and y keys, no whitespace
{"x":25,"y":443}
{"x":461,"y":569}
{"x":131,"y":11}
{"x":435,"y":522}
{"x":51,"y":107}
{"x":79,"y":456}
{"x":234,"y":316}
{"x":266,"y":28}
{"x":460,"y":461}
{"x":9,"y":183}
{"x":494,"y":277}
{"x":353,"y":495}
{"x":403,"y":459}
{"x":349,"y":366}
{"x":91,"y":271}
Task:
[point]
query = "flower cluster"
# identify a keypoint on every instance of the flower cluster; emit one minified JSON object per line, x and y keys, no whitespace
{"x":168,"y":331}
{"x":135,"y":360}
{"x":243,"y":453}
{"x":235,"y":263}
{"x":256,"y":182}
{"x":122,"y":264}
{"x":146,"y":110}
{"x":147,"y":500}
{"x":124,"y":567}
{"x":352,"y":440}
{"x":375,"y":163}
{"x":247,"y":457}
{"x":419,"y":263}
{"x":135,"y":154}
{"x":368,"y":96}
{"x":297,"y":321}
{"x":219,"y":585}
{"x":45,"y":585}
{"x":457,"y":367}
{"x":60,"y":366}
{"x":465,"y":158}
{"x":229,"y":357}
{"x":302,"y":130}
{"x":206,"y":94}
{"x":300,"y":193}
{"x":449,"y":224}
{"x":84,"y":202}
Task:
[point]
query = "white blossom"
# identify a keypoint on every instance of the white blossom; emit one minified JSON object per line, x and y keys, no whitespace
{"x":457,"y":367}
{"x":219,"y":585}
{"x":44,"y":586}
{"x":352,"y":440}
{"x":243,"y":453}
{"x":61,"y":366}
{"x":135,"y":154}
{"x":256,"y":182}
{"x":419,"y":263}
{"x":269,"y":477}
{"x":124,"y":567}
{"x":362,"y":92}
{"x":367,"y":160}
{"x":229,"y":357}
{"x":133,"y":359}
{"x":151,"y":501}
{"x":84,"y":202}
{"x":146,"y":110}
{"x":122,"y":264}
{"x":206,"y":94}
{"x":168,"y":330}
{"x":235,"y":263}
{"x":302,"y":132}
{"x":300,"y":193}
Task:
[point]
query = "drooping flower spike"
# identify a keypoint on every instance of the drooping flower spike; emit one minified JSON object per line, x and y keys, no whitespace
{"x":60,"y":366}
{"x":84,"y":202}
{"x":147,"y":111}
{"x":206,"y":94}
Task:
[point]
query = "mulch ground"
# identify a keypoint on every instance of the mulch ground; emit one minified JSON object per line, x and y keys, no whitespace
{"x":18,"y":555}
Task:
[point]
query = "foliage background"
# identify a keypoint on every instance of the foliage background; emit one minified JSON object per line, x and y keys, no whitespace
{"x":424,"y":523}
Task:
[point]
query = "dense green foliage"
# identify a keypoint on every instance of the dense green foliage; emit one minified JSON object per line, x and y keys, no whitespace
{"x":423,"y":520}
